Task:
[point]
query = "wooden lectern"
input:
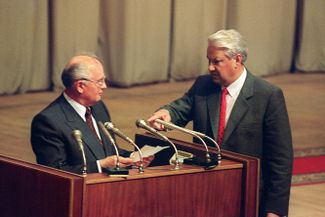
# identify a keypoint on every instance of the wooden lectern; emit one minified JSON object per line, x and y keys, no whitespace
{"x":228,"y":190}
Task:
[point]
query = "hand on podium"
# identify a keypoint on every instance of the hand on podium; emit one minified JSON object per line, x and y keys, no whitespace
{"x":112,"y":160}
{"x":272,"y":215}
{"x":146,"y":161}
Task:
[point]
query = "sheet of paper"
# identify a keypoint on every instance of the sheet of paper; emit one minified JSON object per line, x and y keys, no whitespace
{"x":147,"y":150}
{"x":181,"y":156}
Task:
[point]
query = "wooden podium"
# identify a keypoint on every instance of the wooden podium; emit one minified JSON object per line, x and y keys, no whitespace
{"x":228,"y":190}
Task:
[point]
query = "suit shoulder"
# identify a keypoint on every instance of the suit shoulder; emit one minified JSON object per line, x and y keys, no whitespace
{"x":203,"y":85}
{"x":263,"y":85}
{"x":204,"y":79}
{"x":52,"y":110}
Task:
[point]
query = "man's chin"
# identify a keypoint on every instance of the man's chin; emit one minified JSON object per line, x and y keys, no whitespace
{"x":97,"y":100}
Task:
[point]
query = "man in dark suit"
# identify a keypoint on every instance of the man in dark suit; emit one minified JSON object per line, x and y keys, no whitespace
{"x":51,"y":129}
{"x":255,"y":120}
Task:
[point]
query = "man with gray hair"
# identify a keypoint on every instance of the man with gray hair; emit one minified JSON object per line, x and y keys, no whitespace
{"x":243,"y":113}
{"x":79,"y":107}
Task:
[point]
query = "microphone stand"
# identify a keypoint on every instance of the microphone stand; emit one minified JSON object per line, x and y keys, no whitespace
{"x":117,"y":170}
{"x":209,"y":163}
{"x":77,"y":135}
{"x":110,"y":126}
{"x":211,"y":140}
{"x":142,"y":124}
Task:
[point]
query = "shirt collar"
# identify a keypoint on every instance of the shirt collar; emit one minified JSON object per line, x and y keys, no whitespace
{"x":236,"y":86}
{"x":80,"y":109}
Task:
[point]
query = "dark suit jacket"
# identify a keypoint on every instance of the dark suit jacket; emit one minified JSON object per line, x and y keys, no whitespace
{"x":54,"y":145}
{"x":258,"y":126}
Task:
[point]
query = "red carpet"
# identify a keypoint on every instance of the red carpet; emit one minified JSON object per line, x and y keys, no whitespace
{"x":314,"y":164}
{"x":309,"y":167}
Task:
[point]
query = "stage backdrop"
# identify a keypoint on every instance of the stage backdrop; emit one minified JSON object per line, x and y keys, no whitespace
{"x":144,"y":41}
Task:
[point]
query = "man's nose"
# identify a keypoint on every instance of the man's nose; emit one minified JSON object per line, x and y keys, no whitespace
{"x":104,"y":85}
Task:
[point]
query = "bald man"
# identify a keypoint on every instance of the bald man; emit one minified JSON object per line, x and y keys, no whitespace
{"x":51,"y":139}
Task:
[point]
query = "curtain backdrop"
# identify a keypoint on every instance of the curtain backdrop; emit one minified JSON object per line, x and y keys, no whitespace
{"x":193,"y":21}
{"x":269,"y":28}
{"x":311,"y":49}
{"x":145,"y":41}
{"x":23,"y":46}
{"x":134,"y":40}
{"x":74,"y":25}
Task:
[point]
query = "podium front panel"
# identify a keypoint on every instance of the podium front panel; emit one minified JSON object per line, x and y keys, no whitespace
{"x":215,"y":193}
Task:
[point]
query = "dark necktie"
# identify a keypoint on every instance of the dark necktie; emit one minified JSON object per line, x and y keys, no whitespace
{"x":222,"y":115}
{"x":90,"y":123}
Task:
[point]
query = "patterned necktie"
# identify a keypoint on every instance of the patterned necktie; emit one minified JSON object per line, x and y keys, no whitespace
{"x":222,"y":115}
{"x":90,"y":123}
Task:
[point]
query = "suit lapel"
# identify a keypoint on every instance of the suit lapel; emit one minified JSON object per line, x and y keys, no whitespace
{"x":213,"y":102}
{"x":241,"y":106}
{"x":105,"y":141}
{"x":76,"y":122}
{"x":236,"y":115}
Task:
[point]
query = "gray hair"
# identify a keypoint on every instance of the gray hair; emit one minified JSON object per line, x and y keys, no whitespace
{"x":76,"y":70}
{"x":232,"y":41}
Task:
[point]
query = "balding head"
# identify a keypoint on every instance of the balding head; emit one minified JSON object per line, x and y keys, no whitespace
{"x":84,"y":79}
{"x":79,"y":67}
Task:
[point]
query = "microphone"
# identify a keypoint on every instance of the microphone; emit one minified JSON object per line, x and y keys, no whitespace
{"x":110,"y":126}
{"x":211,"y":140}
{"x":209,"y":163}
{"x":175,"y":127}
{"x":142,"y":124}
{"x":117,"y":170}
{"x":77,"y":135}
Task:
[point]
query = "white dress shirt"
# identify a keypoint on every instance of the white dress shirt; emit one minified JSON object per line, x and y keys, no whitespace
{"x":233,"y":92}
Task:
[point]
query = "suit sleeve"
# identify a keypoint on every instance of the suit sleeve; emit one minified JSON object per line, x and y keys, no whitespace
{"x":181,"y":110}
{"x":278,"y":155}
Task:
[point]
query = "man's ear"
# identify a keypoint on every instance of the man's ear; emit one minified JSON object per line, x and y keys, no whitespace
{"x":239,"y":58}
{"x":79,"y":86}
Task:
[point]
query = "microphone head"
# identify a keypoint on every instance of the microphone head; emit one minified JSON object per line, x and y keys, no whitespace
{"x":143,"y":124}
{"x":109,"y":125}
{"x":140,"y":123}
{"x":77,"y":134}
